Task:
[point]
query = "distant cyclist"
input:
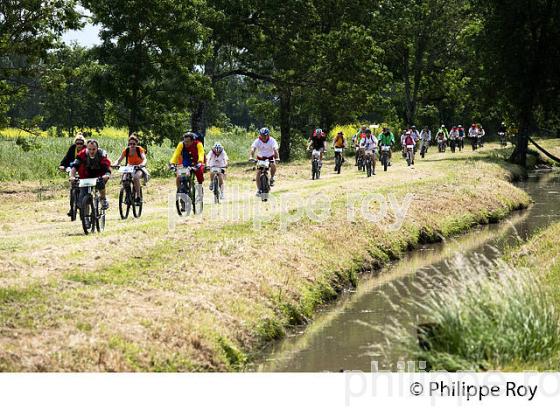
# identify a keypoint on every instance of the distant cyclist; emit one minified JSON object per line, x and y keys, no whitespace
{"x":217,"y":157}
{"x":461,"y":142}
{"x":425,"y":138}
{"x":369,"y":146}
{"x":339,"y":142}
{"x":318,"y":141}
{"x":386,"y":138}
{"x":266,"y":148}
{"x":135,"y":155}
{"x":356,"y":139}
{"x":91,"y":163}
{"x":190,"y":153}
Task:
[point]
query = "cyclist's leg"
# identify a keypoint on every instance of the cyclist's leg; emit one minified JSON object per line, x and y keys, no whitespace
{"x":258,"y":179}
{"x":178,"y":182}
{"x":136,"y":181}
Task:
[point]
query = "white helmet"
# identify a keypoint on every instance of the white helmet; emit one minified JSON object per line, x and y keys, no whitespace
{"x":217,"y":148}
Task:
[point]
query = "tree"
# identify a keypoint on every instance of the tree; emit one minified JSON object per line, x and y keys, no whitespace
{"x":28,"y":29}
{"x":70,"y":99}
{"x":520,"y":44}
{"x":151,"y":51}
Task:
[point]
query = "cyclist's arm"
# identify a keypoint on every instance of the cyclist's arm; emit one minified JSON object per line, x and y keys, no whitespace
{"x":175,"y":157}
{"x":200,"y":149}
{"x":144,"y":160}
{"x":276,"y":154}
{"x":120,"y":158}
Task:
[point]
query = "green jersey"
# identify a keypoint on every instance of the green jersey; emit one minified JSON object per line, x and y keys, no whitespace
{"x":386,"y":139}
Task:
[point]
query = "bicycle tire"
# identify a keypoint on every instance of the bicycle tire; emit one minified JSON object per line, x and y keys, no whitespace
{"x":136,"y":208}
{"x":124,"y":203}
{"x":87,"y":215}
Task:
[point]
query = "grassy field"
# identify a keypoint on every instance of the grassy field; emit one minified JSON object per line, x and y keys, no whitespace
{"x":26,"y":157}
{"x":210,"y":293}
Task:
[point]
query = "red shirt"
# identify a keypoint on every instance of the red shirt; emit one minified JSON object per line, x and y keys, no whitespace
{"x":85,"y":172}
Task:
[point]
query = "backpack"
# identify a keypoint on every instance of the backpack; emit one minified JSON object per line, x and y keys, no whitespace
{"x":128,"y":150}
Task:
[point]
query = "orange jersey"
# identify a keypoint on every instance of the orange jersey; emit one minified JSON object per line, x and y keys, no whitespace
{"x":133,"y":157}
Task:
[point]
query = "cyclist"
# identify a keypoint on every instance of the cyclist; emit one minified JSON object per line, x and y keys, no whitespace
{"x":73,"y":151}
{"x":265,"y":147}
{"x":502,"y":133}
{"x":356,"y":139}
{"x":481,"y":133}
{"x":339,"y":142}
{"x":135,"y":155}
{"x":369,"y":146}
{"x":461,"y":130}
{"x":217,"y":157}
{"x":425,"y":138}
{"x":190,"y":153}
{"x":443,"y":129}
{"x":453,"y":138}
{"x":318,"y":141}
{"x":408,"y":140}
{"x":415,"y":134}
{"x":473,"y":135}
{"x":386,"y":138}
{"x":91,"y":163}
{"x":70,"y":156}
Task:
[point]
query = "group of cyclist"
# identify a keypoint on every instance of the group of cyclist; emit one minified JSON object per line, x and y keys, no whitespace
{"x":85,"y":159}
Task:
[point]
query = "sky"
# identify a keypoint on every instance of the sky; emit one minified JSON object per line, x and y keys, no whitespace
{"x":87,"y":37}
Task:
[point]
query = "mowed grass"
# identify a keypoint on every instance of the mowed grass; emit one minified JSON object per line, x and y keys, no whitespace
{"x":213,"y":291}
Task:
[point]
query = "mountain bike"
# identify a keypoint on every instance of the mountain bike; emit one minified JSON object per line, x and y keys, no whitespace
{"x":410,"y":155}
{"x":368,"y":162}
{"x":315,"y":164}
{"x":385,"y":150}
{"x":74,"y":195}
{"x":503,"y":141}
{"x":263,"y":166}
{"x":452,"y":145}
{"x":91,"y":213}
{"x":127,"y":194}
{"x":187,"y":199}
{"x":216,"y":189}
{"x":338,"y":159}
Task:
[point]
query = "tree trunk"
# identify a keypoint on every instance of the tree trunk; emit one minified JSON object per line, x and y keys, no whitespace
{"x":407,"y":91}
{"x":519,"y":154}
{"x":285,"y":124}
{"x":199,"y":117}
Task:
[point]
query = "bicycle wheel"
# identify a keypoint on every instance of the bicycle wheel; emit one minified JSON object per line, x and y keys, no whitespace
{"x":313,"y":169}
{"x":99,"y":216}
{"x":408,"y":160}
{"x":384,"y":161}
{"x":265,"y":188}
{"x":74,"y":195}
{"x":87,"y":214}
{"x":216,"y":186}
{"x":136,"y":207}
{"x":183,"y":207}
{"x":124,"y":202}
{"x":196,"y":202}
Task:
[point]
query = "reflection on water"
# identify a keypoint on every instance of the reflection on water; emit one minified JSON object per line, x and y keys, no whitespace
{"x":346,"y":335}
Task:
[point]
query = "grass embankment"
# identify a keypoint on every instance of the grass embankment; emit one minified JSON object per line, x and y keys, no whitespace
{"x":212,"y":292}
{"x":501,"y":316}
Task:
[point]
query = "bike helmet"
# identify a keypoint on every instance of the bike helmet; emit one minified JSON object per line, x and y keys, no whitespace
{"x":413,"y":127}
{"x":318,"y":132}
{"x":473,"y":125}
{"x":460,"y":126}
{"x":368,"y":131}
{"x":190,"y":135}
{"x":217,"y":148}
{"x":264,"y":133}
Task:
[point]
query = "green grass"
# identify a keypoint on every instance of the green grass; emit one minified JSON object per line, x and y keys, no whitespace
{"x":505,"y":316}
{"x":37,"y":157}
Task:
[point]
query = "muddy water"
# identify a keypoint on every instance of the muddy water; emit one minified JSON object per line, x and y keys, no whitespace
{"x":346,"y":336}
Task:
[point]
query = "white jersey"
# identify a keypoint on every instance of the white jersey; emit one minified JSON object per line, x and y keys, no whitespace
{"x":214,"y":160}
{"x":473,"y":133}
{"x":265,"y":149}
{"x":369,"y":143}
